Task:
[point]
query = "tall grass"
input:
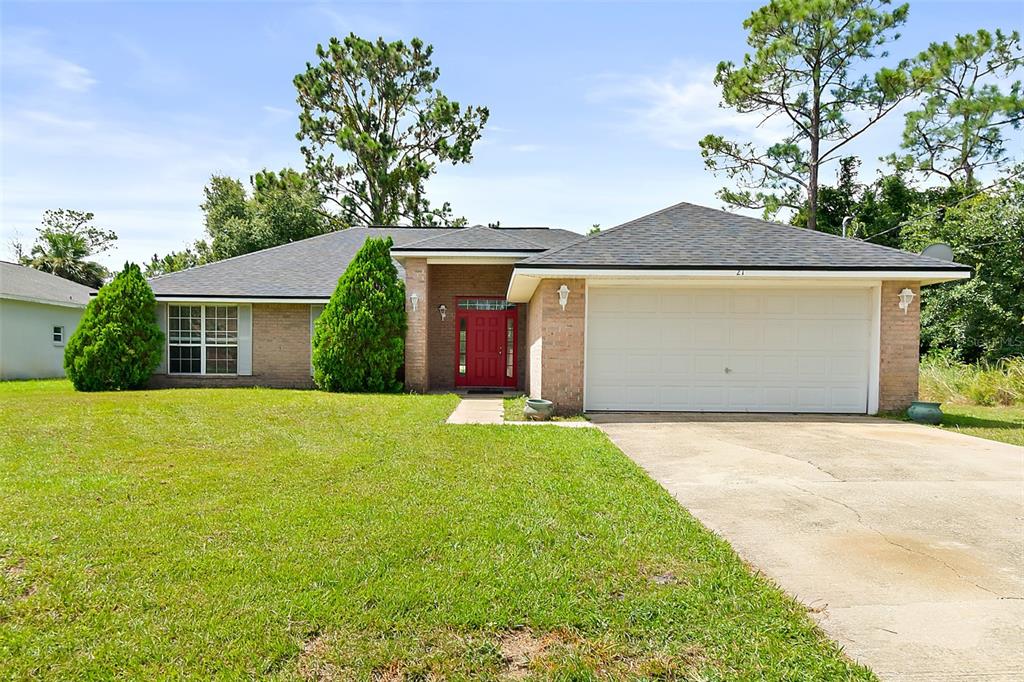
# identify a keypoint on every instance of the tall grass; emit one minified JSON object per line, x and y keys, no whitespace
{"x":945,"y":380}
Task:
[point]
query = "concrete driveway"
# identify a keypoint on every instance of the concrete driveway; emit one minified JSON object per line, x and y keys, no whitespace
{"x":907,"y":542}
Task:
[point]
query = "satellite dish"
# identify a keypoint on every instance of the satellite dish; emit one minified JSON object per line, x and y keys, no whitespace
{"x":938,"y":251}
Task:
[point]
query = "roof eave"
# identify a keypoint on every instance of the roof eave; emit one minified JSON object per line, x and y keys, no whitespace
{"x":526,"y":277}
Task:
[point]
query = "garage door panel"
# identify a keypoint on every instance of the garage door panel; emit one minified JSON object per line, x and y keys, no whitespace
{"x":778,"y":365}
{"x":710,"y":333}
{"x":670,"y":349}
{"x":748,"y":334}
{"x":676,"y":366}
{"x":640,"y":364}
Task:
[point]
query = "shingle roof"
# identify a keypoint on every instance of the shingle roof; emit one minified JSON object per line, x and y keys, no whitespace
{"x":690,"y":237}
{"x":310,"y":268}
{"x":28,"y":284}
{"x":480,"y":238}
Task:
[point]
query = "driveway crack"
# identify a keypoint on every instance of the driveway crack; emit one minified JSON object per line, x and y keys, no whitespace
{"x":887,"y":539}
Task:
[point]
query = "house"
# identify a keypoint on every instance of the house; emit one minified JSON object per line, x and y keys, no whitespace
{"x":38,"y":313}
{"x":688,"y":308}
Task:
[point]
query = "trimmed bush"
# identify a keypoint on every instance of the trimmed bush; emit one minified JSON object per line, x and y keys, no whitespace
{"x":117,"y":344}
{"x":359,"y":339}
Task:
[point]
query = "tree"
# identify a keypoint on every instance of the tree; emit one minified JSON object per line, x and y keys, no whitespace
{"x":284,"y":207}
{"x":374,"y":128}
{"x":65,"y":242}
{"x":117,"y":344}
{"x":804,"y":68}
{"x":958,"y":130}
{"x":359,"y":339}
{"x":594,"y":229}
{"x":981,"y":318}
{"x":877,"y":210}
{"x":189,"y":257}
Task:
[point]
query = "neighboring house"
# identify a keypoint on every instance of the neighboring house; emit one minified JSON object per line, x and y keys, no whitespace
{"x":38,"y":314}
{"x":688,"y":308}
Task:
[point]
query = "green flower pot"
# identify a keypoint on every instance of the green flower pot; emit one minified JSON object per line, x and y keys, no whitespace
{"x":924,"y":413}
{"x":538,"y":409}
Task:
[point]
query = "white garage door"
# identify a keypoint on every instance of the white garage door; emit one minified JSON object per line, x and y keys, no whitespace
{"x":728,"y":350}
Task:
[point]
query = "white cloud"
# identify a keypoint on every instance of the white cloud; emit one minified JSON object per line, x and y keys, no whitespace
{"x":526,"y":147}
{"x":25,"y":56}
{"x":678,"y":106}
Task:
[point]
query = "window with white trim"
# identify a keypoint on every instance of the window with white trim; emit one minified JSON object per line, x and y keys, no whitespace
{"x":202,"y":339}
{"x":58,"y":335}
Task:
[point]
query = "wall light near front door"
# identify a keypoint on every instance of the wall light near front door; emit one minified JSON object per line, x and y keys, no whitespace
{"x":414,"y":299}
{"x":563,"y":295}
{"x":906,"y":298}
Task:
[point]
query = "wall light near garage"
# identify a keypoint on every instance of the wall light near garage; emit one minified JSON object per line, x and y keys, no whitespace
{"x":414,"y":299}
{"x":563,"y":295}
{"x":906,"y":298}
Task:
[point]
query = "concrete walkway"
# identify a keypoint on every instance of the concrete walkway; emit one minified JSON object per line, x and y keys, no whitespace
{"x":479,"y":409}
{"x":906,"y":541}
{"x":490,"y":409}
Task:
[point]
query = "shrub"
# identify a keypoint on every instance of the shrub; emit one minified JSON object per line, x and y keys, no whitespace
{"x":944,"y":379}
{"x":359,"y":339}
{"x":117,"y":344}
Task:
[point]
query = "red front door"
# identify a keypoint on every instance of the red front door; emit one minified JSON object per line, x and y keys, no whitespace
{"x":485,"y":343}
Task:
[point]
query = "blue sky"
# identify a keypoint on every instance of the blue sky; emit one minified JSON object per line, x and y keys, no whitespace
{"x":125,"y":109}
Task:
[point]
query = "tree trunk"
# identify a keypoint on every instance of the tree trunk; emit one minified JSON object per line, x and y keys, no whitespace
{"x":812,"y":179}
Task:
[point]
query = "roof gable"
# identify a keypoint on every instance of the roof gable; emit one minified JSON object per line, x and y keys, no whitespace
{"x":310,"y":268}
{"x":28,"y":284}
{"x":690,"y":237}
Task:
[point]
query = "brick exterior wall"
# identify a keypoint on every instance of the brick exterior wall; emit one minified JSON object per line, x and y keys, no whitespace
{"x":281,"y":351}
{"x":555,"y":339}
{"x":899,"y":347}
{"x":447,"y":283}
{"x":417,"y":282}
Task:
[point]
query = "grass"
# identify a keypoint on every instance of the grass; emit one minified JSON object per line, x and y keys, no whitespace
{"x":1004,"y":424}
{"x":984,"y":400}
{"x":944,"y":380}
{"x":514,"y":411}
{"x":289,"y":534}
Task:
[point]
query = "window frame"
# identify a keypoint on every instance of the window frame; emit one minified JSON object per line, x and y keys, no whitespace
{"x":54,"y":333}
{"x":203,"y":345}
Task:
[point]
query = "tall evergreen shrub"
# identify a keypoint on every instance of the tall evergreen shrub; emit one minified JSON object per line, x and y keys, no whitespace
{"x":359,"y":339}
{"x":118,"y":343}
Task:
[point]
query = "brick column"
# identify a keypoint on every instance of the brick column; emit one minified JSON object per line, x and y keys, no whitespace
{"x":899,"y":346}
{"x":555,"y":344}
{"x":416,"y":282}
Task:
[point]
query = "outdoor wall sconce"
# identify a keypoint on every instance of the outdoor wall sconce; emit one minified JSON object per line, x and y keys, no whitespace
{"x":443,"y":309}
{"x":906,"y":298}
{"x":414,"y":299}
{"x":563,"y":296}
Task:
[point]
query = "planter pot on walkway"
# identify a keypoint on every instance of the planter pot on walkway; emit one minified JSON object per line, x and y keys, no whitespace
{"x":538,"y":409}
{"x":924,"y":413}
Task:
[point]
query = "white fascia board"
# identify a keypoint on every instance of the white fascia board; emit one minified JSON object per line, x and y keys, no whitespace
{"x":475,"y":256}
{"x":236,"y":299}
{"x":42,"y":301}
{"x":525,"y":280}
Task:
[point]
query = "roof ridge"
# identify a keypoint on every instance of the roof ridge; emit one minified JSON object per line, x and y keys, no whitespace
{"x":596,"y":235}
{"x":845,"y":240}
{"x":299,"y":241}
{"x":420,"y":243}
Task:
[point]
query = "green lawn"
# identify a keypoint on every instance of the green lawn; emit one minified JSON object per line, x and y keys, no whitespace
{"x":514,"y":411}
{"x":1005,"y":424}
{"x":290,"y":534}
